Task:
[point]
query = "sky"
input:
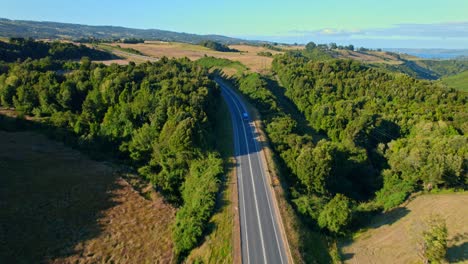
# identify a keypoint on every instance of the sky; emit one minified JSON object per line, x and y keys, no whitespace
{"x":368,"y":23}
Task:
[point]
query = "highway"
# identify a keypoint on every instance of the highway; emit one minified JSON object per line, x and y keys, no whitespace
{"x":261,"y":239}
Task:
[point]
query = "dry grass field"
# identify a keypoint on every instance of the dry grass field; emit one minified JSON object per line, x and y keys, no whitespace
{"x":373,"y":56}
{"x":58,"y":206}
{"x":248,"y":55}
{"x":390,"y":238}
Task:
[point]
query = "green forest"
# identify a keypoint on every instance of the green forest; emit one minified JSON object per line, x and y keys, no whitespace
{"x":154,"y":117}
{"x":351,"y":139}
{"x":372,"y":137}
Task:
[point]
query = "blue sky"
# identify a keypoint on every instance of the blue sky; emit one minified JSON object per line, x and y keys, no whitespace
{"x":370,"y":23}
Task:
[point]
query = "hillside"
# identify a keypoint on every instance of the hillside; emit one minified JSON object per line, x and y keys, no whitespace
{"x":459,"y":81}
{"x":416,"y":67}
{"x":76,"y":209}
{"x":55,"y":30}
{"x":390,"y":236}
{"x":351,"y":140}
{"x":247,"y":55}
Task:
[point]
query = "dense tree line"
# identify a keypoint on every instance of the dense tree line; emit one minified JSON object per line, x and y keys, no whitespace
{"x":154,"y":116}
{"x":412,"y":133}
{"x":21,"y":49}
{"x":386,"y":136}
{"x":216,"y":46}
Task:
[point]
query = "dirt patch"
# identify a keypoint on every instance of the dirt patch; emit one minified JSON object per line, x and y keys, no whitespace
{"x":390,"y":237}
{"x":58,"y":206}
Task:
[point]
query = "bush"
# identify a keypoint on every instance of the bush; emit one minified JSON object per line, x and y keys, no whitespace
{"x":199,"y":195}
{"x":394,"y":192}
{"x":336,"y":214}
{"x":435,"y":241}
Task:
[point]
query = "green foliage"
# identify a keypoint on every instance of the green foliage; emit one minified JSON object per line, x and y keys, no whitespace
{"x":20,"y":48}
{"x":336,"y":214}
{"x":459,"y":81}
{"x":272,"y":47}
{"x":394,"y":191}
{"x":428,"y":69}
{"x":435,"y":240}
{"x":388,"y":134}
{"x":265,"y":54}
{"x":132,"y":40}
{"x":216,"y":46}
{"x":254,"y":85}
{"x":153,"y":116}
{"x":434,"y":154}
{"x":378,"y":117}
{"x":199,"y":195}
{"x":212,"y":62}
{"x":445,"y":67}
{"x":310,"y":46}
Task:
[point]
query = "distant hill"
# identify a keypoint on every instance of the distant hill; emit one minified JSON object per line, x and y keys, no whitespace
{"x":55,"y":30}
{"x":433,"y":53}
{"x":417,"y":67}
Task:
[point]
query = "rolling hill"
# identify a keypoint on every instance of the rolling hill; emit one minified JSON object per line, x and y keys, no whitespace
{"x":459,"y":81}
{"x":55,"y":30}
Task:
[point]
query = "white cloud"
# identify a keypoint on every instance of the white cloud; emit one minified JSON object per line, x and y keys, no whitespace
{"x":441,"y":30}
{"x":440,"y":35}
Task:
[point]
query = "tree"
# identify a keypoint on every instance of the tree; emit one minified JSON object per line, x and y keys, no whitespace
{"x":350,"y":47}
{"x":336,"y":214}
{"x":430,"y":237}
{"x":310,"y":46}
{"x":435,"y":240}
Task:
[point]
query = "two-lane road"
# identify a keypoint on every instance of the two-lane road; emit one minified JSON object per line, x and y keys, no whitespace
{"x":261,"y":239}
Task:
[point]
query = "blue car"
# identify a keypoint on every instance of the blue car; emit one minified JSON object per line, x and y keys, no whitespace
{"x":245,"y":116}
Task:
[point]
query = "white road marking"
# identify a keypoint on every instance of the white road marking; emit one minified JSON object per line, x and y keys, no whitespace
{"x":242,"y":190}
{"x":253,"y":185}
{"x":265,"y":186}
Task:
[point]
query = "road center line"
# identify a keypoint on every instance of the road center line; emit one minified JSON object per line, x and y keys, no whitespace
{"x":237,"y":146}
{"x":265,"y":187}
{"x":253,"y":183}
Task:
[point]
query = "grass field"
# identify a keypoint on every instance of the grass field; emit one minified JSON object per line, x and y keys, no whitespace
{"x":390,"y":237}
{"x":58,"y":206}
{"x":459,"y":81}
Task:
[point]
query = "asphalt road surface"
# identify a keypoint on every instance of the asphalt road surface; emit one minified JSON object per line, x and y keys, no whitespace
{"x":261,"y":239}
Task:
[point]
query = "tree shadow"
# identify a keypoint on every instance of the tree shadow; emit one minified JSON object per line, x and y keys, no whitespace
{"x":52,"y":198}
{"x":459,"y":251}
{"x":390,"y":217}
{"x":346,"y":256}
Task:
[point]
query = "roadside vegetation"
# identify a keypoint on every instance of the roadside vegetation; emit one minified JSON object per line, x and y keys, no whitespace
{"x":350,"y":140}
{"x":154,"y":117}
{"x":212,"y":64}
{"x":371,"y":139}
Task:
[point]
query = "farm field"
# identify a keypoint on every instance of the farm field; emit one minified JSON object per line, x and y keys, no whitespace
{"x":248,"y":55}
{"x":390,"y":237}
